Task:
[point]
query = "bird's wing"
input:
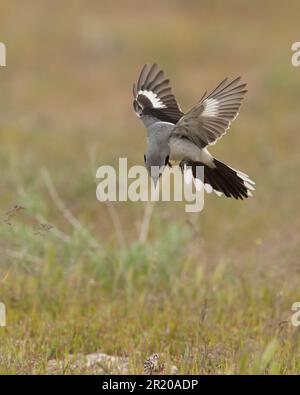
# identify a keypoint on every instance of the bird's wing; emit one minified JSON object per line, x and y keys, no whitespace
{"x":211,"y":117}
{"x":153,"y":95}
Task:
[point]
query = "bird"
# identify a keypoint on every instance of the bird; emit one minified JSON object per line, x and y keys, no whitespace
{"x":177,"y":137}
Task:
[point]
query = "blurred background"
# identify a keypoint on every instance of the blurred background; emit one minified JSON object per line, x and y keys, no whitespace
{"x":211,"y":292}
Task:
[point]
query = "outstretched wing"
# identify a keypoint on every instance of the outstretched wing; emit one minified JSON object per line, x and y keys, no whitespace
{"x":153,"y":96}
{"x":211,"y":117}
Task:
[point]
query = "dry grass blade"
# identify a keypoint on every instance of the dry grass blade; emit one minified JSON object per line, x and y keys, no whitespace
{"x":58,"y":233}
{"x":65,"y":211}
{"x":117,"y":224}
{"x":22,"y":255}
{"x":146,"y":221}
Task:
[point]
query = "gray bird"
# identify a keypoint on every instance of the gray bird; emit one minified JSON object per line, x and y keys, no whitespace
{"x":173,"y":136}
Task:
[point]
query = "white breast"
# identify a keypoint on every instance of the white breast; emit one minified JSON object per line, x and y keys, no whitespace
{"x":183,"y":149}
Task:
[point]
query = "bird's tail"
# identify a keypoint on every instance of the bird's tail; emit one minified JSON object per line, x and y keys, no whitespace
{"x":224,"y":180}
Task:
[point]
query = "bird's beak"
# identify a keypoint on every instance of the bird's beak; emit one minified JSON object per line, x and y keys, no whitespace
{"x":155,"y":180}
{"x":155,"y":174}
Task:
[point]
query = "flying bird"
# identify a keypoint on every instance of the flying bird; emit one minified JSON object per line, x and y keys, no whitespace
{"x":174,"y":136}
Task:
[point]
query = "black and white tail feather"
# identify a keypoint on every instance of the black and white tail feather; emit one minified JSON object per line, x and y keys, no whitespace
{"x":223,"y":180}
{"x":203,"y":125}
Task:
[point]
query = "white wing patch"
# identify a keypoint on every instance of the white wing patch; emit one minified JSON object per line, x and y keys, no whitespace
{"x":211,"y":108}
{"x":155,"y":100}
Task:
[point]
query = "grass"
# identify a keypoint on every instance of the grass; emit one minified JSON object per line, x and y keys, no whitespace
{"x":210,"y":292}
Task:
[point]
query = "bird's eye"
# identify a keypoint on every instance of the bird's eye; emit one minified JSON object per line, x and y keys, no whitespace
{"x":145,"y":159}
{"x":167,"y":160}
